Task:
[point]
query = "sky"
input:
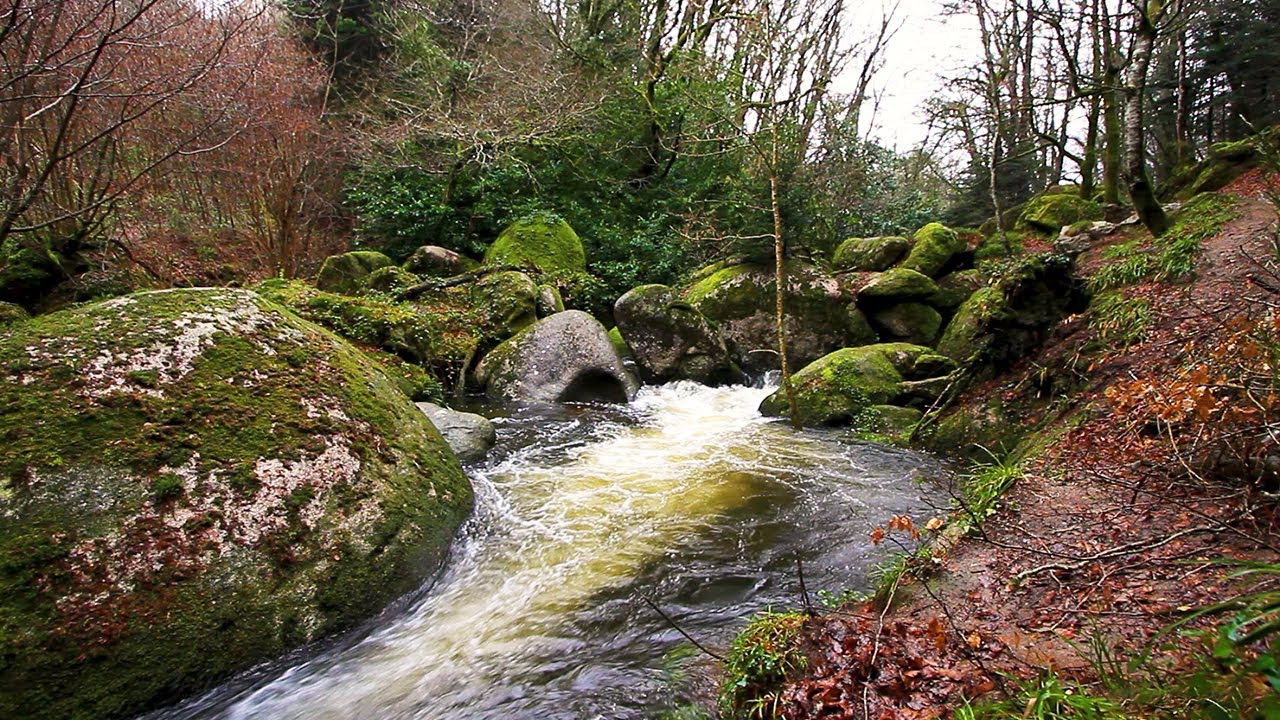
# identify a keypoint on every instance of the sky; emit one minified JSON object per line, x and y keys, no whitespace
{"x":925,"y":45}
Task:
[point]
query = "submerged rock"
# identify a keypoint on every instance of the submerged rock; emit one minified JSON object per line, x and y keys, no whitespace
{"x":565,"y":358}
{"x":346,"y":274}
{"x":195,"y":481}
{"x":671,"y":340}
{"x":469,"y":435}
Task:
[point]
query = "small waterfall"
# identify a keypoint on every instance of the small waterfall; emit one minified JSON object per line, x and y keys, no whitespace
{"x":687,"y":496}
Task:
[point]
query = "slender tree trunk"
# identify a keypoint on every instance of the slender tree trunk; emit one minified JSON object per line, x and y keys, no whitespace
{"x":780,"y":285}
{"x":1141,"y":190}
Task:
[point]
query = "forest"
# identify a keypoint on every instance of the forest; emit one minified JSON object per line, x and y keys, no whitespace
{"x":241,"y":240}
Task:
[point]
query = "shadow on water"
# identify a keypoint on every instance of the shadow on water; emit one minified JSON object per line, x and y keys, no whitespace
{"x":686,"y":496}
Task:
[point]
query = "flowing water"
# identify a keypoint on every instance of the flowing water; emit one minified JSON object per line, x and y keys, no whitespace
{"x":686,"y":496}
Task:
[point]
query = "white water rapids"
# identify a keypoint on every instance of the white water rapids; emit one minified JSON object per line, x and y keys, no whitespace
{"x":687,"y":496}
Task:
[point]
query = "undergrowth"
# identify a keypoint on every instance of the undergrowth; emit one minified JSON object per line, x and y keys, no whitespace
{"x":761,"y":658}
{"x":1120,"y":320}
{"x":1046,"y":698}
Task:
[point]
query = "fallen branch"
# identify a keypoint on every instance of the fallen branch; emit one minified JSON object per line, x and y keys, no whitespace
{"x":1121,"y":551}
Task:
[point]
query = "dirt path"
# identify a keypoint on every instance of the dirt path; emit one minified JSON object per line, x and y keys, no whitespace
{"x":1102,"y":543}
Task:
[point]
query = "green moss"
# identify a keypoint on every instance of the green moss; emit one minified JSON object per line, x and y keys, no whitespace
{"x":935,"y":246}
{"x":11,"y":313}
{"x":873,"y":254}
{"x":346,"y":274}
{"x":955,"y":288}
{"x":507,"y":300}
{"x":543,"y":241}
{"x":159,"y":472}
{"x":1197,"y":221}
{"x":726,"y":294}
{"x":914,"y":323}
{"x":389,"y":280}
{"x":962,"y":340}
{"x":619,"y":344}
{"x":841,"y":388}
{"x":897,"y":285}
{"x":1050,"y":213}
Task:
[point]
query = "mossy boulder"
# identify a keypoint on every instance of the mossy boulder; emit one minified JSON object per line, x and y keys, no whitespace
{"x":438,"y":335}
{"x":389,"y":280}
{"x":934,"y":248}
{"x":435,"y":261}
{"x":346,"y":274}
{"x":914,"y":323}
{"x":1003,"y":322}
{"x":549,"y":301}
{"x":11,"y":313}
{"x":543,"y":241}
{"x":956,"y":287}
{"x":869,"y":254}
{"x":740,"y":300}
{"x":897,"y":285}
{"x":1050,"y":213}
{"x":842,"y":388}
{"x":565,"y":358}
{"x":509,"y":299}
{"x":196,"y":481}
{"x":670,"y":340}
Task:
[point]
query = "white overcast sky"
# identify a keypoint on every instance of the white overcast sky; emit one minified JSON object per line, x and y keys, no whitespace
{"x":926,"y":44}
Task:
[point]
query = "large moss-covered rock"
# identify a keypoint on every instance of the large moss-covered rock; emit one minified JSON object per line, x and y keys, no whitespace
{"x":543,"y":241}
{"x":1050,"y":213}
{"x":869,"y":254}
{"x":346,"y":274}
{"x":897,"y":285}
{"x":510,"y":298}
{"x":435,"y":261}
{"x":842,"y":388}
{"x":935,"y":246}
{"x":914,"y":323}
{"x":670,"y":340}
{"x":193,"y":482}
{"x":740,"y":300}
{"x":1003,"y":322}
{"x":564,"y":358}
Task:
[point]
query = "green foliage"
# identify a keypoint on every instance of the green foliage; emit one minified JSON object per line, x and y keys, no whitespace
{"x":985,"y":483}
{"x":762,"y":656}
{"x":1047,"y":698}
{"x":1129,"y":264}
{"x":1120,"y":320}
{"x":1199,"y":220}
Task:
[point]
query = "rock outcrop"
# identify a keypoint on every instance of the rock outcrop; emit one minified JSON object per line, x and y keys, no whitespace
{"x":670,"y":340}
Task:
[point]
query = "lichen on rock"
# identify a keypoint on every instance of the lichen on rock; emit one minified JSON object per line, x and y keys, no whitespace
{"x":196,"y":481}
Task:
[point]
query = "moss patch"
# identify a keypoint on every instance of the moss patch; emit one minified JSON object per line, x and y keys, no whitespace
{"x":935,"y":246}
{"x":543,"y":241}
{"x":346,"y":274}
{"x":1050,"y":213}
{"x":841,"y":388}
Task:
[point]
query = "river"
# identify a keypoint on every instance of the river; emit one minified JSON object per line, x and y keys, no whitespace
{"x":686,"y":496}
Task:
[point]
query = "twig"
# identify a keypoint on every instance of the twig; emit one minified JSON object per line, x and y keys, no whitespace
{"x":1113,"y":553}
{"x":680,"y":630}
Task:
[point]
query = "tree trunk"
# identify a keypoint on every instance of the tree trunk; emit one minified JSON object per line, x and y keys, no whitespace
{"x":780,"y":285}
{"x":1141,"y":190}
